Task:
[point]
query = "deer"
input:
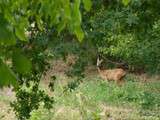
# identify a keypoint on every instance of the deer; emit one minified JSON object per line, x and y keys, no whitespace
{"x":116,"y":74}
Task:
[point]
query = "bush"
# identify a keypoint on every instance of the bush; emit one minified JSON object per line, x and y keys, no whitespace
{"x":128,"y":34}
{"x":41,"y":114}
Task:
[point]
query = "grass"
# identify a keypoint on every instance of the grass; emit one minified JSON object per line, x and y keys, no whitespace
{"x":95,"y":99}
{"x":6,"y":112}
{"x":130,"y":93}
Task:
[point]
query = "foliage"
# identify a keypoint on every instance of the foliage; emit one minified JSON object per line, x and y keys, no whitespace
{"x":118,"y":29}
{"x":28,"y":99}
{"x":127,"y":33}
{"x":41,"y":114}
{"x":22,"y":22}
{"x":6,"y":75}
{"x":28,"y":94}
{"x":18,"y":17}
{"x":64,"y":46}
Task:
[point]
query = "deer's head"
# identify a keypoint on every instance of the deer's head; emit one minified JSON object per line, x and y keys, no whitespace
{"x":99,"y":61}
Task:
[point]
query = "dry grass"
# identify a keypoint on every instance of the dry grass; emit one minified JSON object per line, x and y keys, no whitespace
{"x":6,"y":96}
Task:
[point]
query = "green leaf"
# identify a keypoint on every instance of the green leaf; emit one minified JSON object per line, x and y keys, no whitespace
{"x":6,"y":37}
{"x":22,"y":24}
{"x":67,"y":9}
{"x":125,"y":2}
{"x":61,"y":26}
{"x":75,"y":24}
{"x":39,"y":22}
{"x":87,"y":4}
{"x":7,"y":76}
{"x":6,"y":33}
{"x":79,"y":33}
{"x":21,"y":63}
{"x":20,"y":33}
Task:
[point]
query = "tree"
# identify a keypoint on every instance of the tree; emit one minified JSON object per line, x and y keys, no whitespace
{"x":22,"y":64}
{"x":18,"y":56}
{"x":16,"y":18}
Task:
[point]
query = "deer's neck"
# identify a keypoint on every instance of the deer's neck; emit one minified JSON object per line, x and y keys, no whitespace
{"x":99,"y":70}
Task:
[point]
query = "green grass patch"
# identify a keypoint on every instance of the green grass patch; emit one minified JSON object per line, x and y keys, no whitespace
{"x":144,"y":95}
{"x":96,"y":99}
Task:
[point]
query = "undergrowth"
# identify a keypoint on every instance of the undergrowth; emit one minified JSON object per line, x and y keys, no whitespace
{"x":143,"y":98}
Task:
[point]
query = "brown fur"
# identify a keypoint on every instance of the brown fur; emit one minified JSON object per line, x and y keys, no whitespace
{"x":111,"y":74}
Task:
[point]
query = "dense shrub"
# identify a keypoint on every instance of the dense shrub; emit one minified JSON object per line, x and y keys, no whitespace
{"x":28,"y":93}
{"x":128,"y":33}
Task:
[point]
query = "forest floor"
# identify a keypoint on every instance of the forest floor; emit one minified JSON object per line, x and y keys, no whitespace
{"x":95,"y":99}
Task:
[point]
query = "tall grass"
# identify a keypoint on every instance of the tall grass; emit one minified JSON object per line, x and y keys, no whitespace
{"x":85,"y":103}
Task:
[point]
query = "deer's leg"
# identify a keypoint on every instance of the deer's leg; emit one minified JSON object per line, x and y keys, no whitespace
{"x":120,"y":82}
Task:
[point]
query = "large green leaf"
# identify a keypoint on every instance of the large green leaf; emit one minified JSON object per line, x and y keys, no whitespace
{"x":7,"y":76}
{"x":20,"y":28}
{"x":39,"y":23}
{"x":20,"y":33}
{"x":125,"y":2}
{"x":61,"y":26}
{"x":67,"y":9}
{"x":75,"y":24}
{"x":87,"y":4}
{"x":79,"y":33}
{"x":6,"y":33}
{"x":21,"y":63}
{"x":6,"y":37}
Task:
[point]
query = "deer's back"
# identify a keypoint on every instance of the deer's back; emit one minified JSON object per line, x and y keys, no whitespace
{"x":113,"y":74}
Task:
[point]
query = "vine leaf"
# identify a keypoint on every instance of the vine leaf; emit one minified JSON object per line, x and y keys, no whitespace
{"x":7,"y":76}
{"x":21,"y":63}
{"x":6,"y":33}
